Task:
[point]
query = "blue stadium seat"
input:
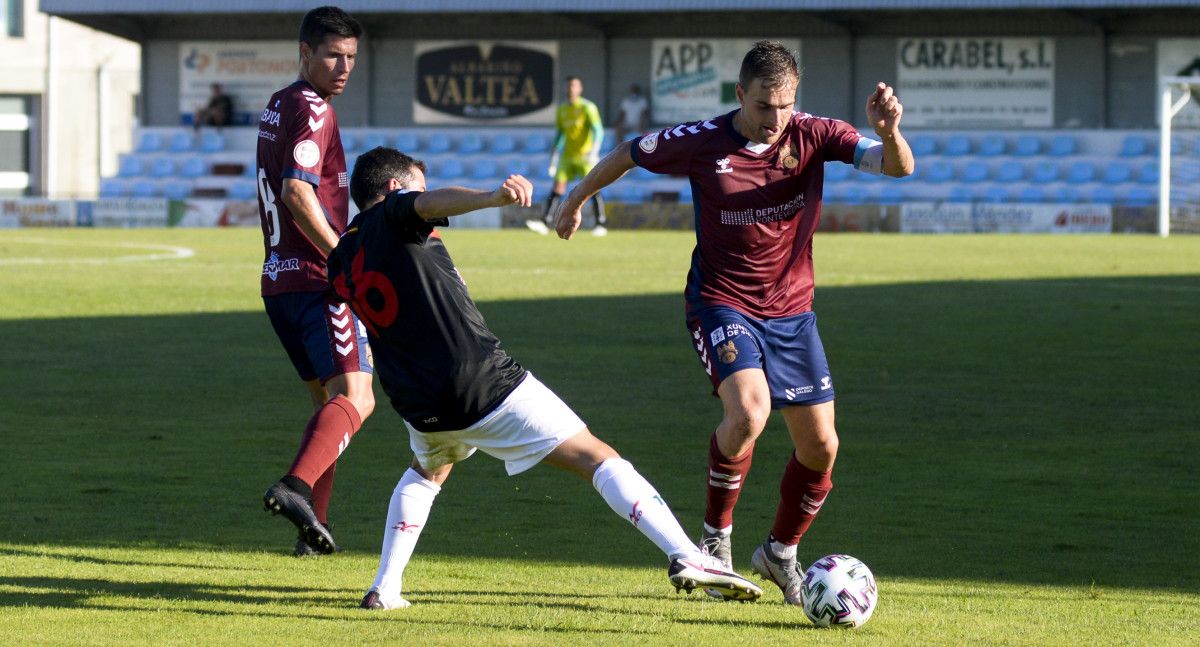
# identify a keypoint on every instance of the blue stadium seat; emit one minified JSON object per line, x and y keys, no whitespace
{"x":161,"y":167}
{"x":1081,"y":172}
{"x":129,"y":166}
{"x":144,"y":189}
{"x":451,"y":168}
{"x":835,"y":193}
{"x":242,"y":190}
{"x":211,"y":142}
{"x":1027,"y":146}
{"x":1135,"y":146}
{"x":855,"y":195}
{"x":960,"y":194}
{"x":1010,"y":171}
{"x":470,"y":143}
{"x":1044,"y":172}
{"x":991,"y":145}
{"x":537,"y":143}
{"x":957,"y":146}
{"x":439,"y":143}
{"x":1117,"y":172}
{"x":923,"y":145}
{"x":150,"y":143}
{"x":517,"y":166}
{"x":503,"y":144}
{"x":181,"y":142}
{"x":837,"y":172}
{"x":641,"y":173}
{"x":1148,"y":173}
{"x":113,"y":188}
{"x":1066,"y":194}
{"x":891,"y":194}
{"x":974,"y":172}
{"x":1062,"y":146}
{"x":1138,"y":196}
{"x":371,"y":141}
{"x":1031,"y":194}
{"x":408,"y":143}
{"x":1104,"y":194}
{"x":349,"y":142}
{"x":939,"y":171}
{"x":996,"y":193}
{"x":484,"y":169}
{"x":177,"y":190}
{"x":685,"y":192}
{"x":193,"y":167}
{"x":250,"y":169}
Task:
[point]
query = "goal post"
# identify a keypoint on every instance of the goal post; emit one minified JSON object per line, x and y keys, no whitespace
{"x":1178,"y":198}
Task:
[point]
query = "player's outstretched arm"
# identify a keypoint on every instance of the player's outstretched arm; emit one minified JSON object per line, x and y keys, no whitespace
{"x":301,"y":201}
{"x":883,"y":112}
{"x":610,"y":169}
{"x":457,"y":200}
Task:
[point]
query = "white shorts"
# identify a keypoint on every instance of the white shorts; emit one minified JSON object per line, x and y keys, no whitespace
{"x":521,"y":431}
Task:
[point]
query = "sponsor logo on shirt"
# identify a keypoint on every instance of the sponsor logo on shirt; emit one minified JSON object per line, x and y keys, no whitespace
{"x":269,"y":117}
{"x":826,"y":383}
{"x":275,"y":265}
{"x":723,"y":166}
{"x":307,"y":153}
{"x":717,"y":336}
{"x":766,"y":214}
{"x":649,"y":143}
{"x":343,"y":179}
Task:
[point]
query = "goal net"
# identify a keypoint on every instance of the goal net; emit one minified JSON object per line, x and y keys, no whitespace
{"x":1179,"y":155}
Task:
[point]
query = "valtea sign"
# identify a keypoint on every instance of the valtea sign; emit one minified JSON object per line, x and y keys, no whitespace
{"x":473,"y":82}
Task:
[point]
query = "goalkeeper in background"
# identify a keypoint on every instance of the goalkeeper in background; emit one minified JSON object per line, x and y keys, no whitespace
{"x":578,"y":135}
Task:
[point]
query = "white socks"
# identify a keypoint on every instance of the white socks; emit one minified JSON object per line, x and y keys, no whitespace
{"x":632,"y":497}
{"x":407,"y":514}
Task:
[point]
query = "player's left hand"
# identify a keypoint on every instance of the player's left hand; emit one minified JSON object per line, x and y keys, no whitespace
{"x":515,"y":190}
{"x":884,"y":110}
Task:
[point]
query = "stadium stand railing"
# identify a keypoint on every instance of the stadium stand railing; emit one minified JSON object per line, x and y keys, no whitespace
{"x":1114,"y":167}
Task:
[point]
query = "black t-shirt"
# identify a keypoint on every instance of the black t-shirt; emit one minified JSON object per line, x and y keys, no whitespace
{"x":436,"y":359}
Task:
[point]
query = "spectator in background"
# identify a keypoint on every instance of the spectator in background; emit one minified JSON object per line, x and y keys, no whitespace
{"x":634,"y":113}
{"x":217,"y":112}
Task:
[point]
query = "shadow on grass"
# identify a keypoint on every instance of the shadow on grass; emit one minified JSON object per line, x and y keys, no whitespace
{"x":1023,"y":431}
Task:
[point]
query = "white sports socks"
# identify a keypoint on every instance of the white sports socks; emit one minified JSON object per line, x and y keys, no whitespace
{"x":407,"y":514}
{"x":632,"y":497}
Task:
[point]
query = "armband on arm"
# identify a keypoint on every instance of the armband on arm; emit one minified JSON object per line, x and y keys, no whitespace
{"x":868,"y":156}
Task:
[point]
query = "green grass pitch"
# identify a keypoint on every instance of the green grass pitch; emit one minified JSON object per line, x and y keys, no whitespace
{"x":1019,"y":416}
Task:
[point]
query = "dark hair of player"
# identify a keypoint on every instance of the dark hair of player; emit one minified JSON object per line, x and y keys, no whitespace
{"x":323,"y":21}
{"x":375,"y":167}
{"x":574,"y":78}
{"x":771,"y":62}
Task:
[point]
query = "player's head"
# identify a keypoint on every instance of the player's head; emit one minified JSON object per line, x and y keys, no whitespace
{"x":328,"y":47}
{"x":380,"y":171}
{"x":574,"y":88}
{"x":766,"y":90}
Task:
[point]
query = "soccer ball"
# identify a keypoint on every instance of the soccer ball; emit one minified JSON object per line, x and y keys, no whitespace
{"x":839,"y":591}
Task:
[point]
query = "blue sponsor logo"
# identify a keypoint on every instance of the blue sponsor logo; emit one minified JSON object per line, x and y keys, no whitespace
{"x":275,"y":265}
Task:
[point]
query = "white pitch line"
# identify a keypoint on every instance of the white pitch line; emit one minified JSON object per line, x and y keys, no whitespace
{"x":169,"y":252}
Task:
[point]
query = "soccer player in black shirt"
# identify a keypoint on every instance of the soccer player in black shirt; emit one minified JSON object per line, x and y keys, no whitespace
{"x":455,"y":387}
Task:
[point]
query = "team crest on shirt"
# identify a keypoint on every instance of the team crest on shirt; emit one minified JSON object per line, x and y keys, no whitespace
{"x":307,"y":153}
{"x":787,"y":157}
{"x":649,"y":143}
{"x":727,"y":352}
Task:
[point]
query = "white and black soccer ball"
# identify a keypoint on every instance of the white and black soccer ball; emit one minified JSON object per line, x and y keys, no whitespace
{"x":839,"y":591}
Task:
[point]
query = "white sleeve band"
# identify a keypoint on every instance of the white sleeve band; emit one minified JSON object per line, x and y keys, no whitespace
{"x":868,"y":156}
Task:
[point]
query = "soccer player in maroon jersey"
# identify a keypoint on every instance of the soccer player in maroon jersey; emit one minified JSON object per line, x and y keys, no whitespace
{"x":303,"y":201}
{"x":456,"y":388}
{"x":756,"y":176}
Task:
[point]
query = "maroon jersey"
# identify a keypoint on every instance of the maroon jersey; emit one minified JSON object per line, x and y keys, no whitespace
{"x":298,"y":138}
{"x":756,"y":207}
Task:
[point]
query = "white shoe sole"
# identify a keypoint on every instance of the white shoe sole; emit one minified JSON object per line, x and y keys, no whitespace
{"x":537,"y":227}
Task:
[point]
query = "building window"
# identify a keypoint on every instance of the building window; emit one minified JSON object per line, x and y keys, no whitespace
{"x":13,"y":17}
